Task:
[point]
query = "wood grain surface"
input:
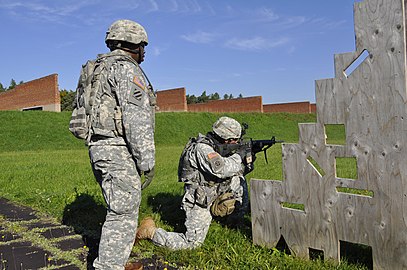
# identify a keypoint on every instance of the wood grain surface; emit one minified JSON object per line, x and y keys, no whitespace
{"x":371,"y":104}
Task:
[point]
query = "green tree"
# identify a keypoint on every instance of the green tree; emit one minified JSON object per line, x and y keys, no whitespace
{"x":203,"y":97}
{"x":191,"y":99}
{"x":226,"y":96}
{"x":13,"y":84}
{"x":240,"y":96}
{"x":67,"y":97}
{"x":2,"y":89}
{"x":214,"y":96}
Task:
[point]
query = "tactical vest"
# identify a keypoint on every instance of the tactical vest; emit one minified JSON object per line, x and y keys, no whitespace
{"x":96,"y":106}
{"x":187,"y":168}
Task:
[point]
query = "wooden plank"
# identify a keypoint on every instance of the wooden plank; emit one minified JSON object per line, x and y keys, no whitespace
{"x":265,"y":211}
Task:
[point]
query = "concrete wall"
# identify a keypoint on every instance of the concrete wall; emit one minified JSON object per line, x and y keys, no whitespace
{"x":41,"y":94}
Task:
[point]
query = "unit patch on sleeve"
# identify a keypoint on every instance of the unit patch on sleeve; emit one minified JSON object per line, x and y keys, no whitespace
{"x":213,"y":155}
{"x":139,"y":82}
{"x":135,"y":95}
{"x":216,"y":161}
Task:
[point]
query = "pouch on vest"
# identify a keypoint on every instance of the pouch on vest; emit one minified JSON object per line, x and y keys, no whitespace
{"x":223,"y":205}
{"x":187,"y":173}
{"x":80,"y":119}
{"x":95,"y":110}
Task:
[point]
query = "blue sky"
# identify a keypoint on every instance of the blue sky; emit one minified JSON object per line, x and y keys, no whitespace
{"x":270,"y":48}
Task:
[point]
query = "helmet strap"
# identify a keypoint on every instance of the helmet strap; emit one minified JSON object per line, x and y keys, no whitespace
{"x":215,"y":137}
{"x":135,"y":51}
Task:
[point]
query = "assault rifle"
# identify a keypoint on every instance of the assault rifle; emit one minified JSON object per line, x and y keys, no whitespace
{"x":247,"y":149}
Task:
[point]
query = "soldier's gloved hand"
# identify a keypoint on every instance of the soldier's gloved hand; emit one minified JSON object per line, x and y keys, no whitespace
{"x":248,"y":168}
{"x":148,"y":178}
{"x":249,"y":164}
{"x":241,"y":151}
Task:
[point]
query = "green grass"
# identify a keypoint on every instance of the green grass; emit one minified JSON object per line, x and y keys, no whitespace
{"x":45,"y":167}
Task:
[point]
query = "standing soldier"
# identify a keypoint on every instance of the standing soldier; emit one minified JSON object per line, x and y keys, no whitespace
{"x":121,"y":138}
{"x":214,"y":187}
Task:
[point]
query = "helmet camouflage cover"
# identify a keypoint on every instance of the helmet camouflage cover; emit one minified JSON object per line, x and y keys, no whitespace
{"x":227,"y":128}
{"x":126,"y":30}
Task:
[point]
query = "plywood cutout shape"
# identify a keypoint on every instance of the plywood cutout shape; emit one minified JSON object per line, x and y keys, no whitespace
{"x":371,"y":104}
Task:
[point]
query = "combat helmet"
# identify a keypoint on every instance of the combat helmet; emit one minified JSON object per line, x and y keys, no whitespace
{"x":128,"y":31}
{"x":227,"y":128}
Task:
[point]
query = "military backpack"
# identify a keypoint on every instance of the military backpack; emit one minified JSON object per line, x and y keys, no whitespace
{"x":84,"y":120}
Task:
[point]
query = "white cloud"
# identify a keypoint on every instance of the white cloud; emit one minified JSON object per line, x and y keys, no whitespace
{"x":156,"y":51}
{"x":44,"y":11}
{"x":200,"y":37}
{"x":291,"y":22}
{"x":254,"y":44}
{"x":154,"y":6}
{"x":267,"y":14}
{"x":173,"y":6}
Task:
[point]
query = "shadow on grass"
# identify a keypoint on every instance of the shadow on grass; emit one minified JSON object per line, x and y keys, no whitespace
{"x":169,"y":207}
{"x":86,"y":217}
{"x":356,"y":254}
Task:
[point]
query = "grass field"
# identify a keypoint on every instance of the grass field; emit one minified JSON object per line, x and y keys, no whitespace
{"x":43,"y":166}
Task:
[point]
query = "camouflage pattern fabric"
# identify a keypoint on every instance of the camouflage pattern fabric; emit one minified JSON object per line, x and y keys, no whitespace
{"x":227,"y":128}
{"x":128,"y":31}
{"x":117,"y":161}
{"x":221,"y":175}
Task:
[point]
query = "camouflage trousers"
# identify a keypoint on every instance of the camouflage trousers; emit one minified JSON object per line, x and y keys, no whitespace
{"x":115,"y":171}
{"x":198,"y":218}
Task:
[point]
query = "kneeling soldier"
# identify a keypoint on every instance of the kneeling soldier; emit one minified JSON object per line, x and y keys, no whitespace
{"x":215,"y":186}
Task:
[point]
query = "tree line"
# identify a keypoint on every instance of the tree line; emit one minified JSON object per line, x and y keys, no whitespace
{"x":12,"y":85}
{"x":67,"y":96}
{"x":192,"y":99}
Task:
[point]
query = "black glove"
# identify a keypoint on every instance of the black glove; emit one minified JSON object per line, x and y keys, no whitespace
{"x":248,"y":163}
{"x":148,"y":178}
{"x":248,"y":168}
{"x":242,"y":152}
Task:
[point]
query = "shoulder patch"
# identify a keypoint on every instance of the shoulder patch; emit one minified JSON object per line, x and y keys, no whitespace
{"x":216,"y":162}
{"x":213,"y":155}
{"x":139,"y":82}
{"x":135,"y":96}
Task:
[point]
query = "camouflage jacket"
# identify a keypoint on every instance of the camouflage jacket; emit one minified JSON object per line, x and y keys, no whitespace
{"x":124,"y":86}
{"x":203,"y":165}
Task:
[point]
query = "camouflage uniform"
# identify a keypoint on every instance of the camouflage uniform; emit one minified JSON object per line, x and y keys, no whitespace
{"x":216,"y":176}
{"x":120,"y":152}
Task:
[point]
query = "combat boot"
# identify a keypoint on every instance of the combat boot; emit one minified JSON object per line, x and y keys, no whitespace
{"x":146,"y":229}
{"x":134,"y":266}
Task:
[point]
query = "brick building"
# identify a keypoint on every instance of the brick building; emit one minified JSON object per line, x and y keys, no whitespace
{"x":172,"y":100}
{"x":39,"y":94}
{"x":43,"y":94}
{"x":249,"y":104}
{"x":175,"y":100}
{"x":291,"y":107}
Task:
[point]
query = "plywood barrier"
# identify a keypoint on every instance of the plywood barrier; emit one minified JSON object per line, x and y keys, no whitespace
{"x":370,"y":101}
